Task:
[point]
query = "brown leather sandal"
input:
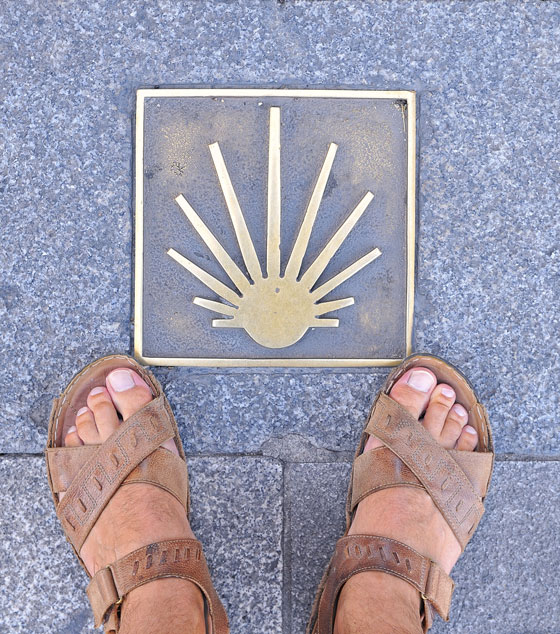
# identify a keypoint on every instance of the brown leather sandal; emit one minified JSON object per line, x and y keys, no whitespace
{"x":91,"y":474}
{"x":457,"y":482}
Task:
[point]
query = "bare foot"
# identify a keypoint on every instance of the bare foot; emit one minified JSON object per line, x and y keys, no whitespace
{"x":405,"y":514}
{"x":138,"y":514}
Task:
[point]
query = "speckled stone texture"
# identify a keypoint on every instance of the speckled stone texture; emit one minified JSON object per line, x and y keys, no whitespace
{"x":218,"y":413}
{"x":506,"y":578}
{"x":237,"y":503}
{"x":315,"y":508}
{"x":237,"y":513}
{"x":486,"y":76}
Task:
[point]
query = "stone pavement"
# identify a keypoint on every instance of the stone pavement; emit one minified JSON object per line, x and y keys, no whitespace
{"x":270,"y":449}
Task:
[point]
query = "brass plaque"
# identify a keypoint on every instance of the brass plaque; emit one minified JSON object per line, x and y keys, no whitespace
{"x":274,"y":227}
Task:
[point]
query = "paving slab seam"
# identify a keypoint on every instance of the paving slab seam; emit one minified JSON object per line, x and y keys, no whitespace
{"x":232,"y":455}
{"x":337,"y":456}
{"x":512,"y":457}
{"x":286,"y":552}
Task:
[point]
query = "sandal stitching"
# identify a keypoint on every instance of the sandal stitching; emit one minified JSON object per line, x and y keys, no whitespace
{"x":424,"y":441}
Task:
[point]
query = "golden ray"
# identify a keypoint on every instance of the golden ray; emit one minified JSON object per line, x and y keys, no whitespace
{"x":320,"y":264}
{"x":226,"y":323}
{"x":213,"y":284}
{"x":274,"y":196}
{"x":324,"y":323}
{"x":300,"y":247}
{"x":229,"y":266}
{"x":335,"y":281}
{"x":216,"y":307}
{"x":240,"y":226}
{"x":327,"y":307}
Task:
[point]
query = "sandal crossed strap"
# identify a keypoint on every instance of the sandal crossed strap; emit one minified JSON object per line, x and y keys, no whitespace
{"x":90,"y":475}
{"x":457,"y":482}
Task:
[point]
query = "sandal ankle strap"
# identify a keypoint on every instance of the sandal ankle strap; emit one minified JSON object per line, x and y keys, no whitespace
{"x":180,"y":558}
{"x":362,"y":553}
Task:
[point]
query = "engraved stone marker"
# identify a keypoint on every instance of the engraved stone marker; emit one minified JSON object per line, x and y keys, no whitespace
{"x":274,"y":227}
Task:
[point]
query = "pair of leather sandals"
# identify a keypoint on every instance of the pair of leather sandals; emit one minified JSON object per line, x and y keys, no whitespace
{"x":88,"y":476}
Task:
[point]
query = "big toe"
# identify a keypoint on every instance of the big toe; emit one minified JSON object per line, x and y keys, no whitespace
{"x":128,"y":391}
{"x":413,"y":390}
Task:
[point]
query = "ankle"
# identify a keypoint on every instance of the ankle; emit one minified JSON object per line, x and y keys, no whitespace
{"x":377,"y":602}
{"x":164,"y":606}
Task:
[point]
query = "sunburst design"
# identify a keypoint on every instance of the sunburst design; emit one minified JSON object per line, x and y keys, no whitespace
{"x":275,"y":310}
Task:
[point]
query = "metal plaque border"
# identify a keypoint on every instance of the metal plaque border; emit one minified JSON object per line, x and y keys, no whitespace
{"x":143,"y":93}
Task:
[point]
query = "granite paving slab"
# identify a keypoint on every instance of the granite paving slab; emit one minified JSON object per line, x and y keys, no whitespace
{"x":315,"y":500}
{"x":239,"y":412}
{"x":490,"y":259}
{"x":485,"y":74}
{"x":237,"y":513}
{"x":222,"y":413}
{"x":507,"y":578}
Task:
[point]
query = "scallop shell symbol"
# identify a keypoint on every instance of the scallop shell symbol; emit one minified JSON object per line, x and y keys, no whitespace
{"x":275,"y":310}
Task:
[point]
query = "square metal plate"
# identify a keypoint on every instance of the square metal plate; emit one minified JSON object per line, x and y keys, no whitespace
{"x":274,"y":227}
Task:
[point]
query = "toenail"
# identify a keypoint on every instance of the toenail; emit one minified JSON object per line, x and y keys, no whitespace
{"x":447,"y":392}
{"x":459,"y":410}
{"x":121,"y":380}
{"x":82,"y":411}
{"x":97,"y":390}
{"x":420,"y":380}
{"x":71,"y":430}
{"x":470,"y":430}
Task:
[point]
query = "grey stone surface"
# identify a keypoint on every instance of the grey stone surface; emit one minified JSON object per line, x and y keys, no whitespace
{"x":507,"y":577}
{"x":485,"y":73}
{"x":42,"y":588}
{"x":316,"y":496}
{"x":236,"y":513}
{"x":506,"y":581}
{"x":224,"y":413}
{"x":489,"y":259}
